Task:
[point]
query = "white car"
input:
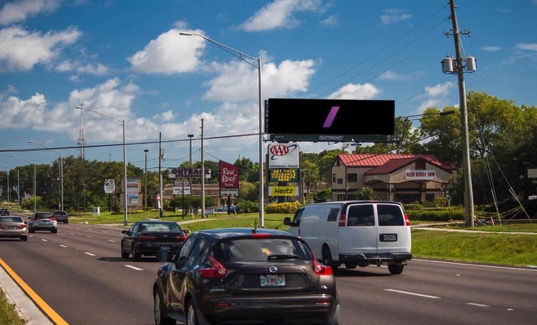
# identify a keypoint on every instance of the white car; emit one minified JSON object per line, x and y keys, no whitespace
{"x":13,"y":227}
{"x":43,"y":221}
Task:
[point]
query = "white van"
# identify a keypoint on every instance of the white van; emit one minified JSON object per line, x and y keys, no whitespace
{"x":355,"y":233}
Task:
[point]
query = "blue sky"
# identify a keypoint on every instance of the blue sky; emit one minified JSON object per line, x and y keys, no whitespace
{"x":126,"y":59}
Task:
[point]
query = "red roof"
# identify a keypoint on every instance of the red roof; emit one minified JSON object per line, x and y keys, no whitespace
{"x":385,"y":163}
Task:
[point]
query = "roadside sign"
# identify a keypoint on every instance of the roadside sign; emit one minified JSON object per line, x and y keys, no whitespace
{"x":109,"y":186}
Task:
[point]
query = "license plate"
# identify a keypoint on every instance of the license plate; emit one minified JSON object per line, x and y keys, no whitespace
{"x":272,"y":280}
{"x":388,"y":237}
{"x":165,"y":248}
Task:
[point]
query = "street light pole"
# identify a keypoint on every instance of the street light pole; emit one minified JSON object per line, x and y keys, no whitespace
{"x":246,"y":58}
{"x":122,"y":122}
{"x":35,"y":180}
{"x":60,"y":171}
{"x":145,"y":179}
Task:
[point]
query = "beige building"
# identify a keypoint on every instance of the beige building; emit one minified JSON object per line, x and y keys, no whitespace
{"x":395,"y":177}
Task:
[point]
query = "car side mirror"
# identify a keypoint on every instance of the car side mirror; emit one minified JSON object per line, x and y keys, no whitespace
{"x":287,"y":221}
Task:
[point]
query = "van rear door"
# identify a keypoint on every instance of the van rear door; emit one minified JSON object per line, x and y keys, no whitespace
{"x":358,"y":235}
{"x":393,"y":232}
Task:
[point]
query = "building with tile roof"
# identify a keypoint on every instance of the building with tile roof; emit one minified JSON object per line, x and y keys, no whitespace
{"x":396,"y":177}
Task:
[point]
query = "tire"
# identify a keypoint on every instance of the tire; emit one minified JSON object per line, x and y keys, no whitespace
{"x":327,"y":259}
{"x":159,"y":311}
{"x":135,"y":255}
{"x":24,"y":238}
{"x":31,"y":230}
{"x":191,"y":318}
{"x":124,"y":254}
{"x":351,"y":265}
{"x":54,"y":231}
{"x":396,"y":268}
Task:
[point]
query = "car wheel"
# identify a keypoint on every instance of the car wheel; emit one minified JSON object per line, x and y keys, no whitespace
{"x":24,"y":238}
{"x":159,"y":311}
{"x":135,"y":255}
{"x":54,"y":231}
{"x":351,"y":265}
{"x":327,"y":259}
{"x":191,"y":314}
{"x":396,"y":268}
{"x":31,"y":230}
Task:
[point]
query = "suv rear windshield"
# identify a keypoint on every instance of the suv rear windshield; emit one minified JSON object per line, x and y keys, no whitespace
{"x":42,"y":215}
{"x":248,"y":250}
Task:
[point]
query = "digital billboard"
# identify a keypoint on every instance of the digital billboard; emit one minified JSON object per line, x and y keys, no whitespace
{"x":329,"y":116}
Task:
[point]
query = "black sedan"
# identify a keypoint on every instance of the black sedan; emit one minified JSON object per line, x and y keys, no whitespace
{"x":152,"y":238}
{"x":245,"y":276}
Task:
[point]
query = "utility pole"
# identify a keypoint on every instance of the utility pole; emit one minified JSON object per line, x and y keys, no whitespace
{"x":160,"y":200}
{"x":459,"y":67}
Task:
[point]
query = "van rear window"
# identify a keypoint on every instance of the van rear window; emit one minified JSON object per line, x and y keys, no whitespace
{"x":360,"y":215}
{"x":390,"y":215}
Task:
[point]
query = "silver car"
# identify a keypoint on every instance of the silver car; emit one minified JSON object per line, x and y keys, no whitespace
{"x":13,"y":227}
{"x":43,"y":221}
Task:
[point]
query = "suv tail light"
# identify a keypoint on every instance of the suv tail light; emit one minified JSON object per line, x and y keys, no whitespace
{"x":321,"y":270}
{"x":53,"y":218}
{"x":407,"y":220}
{"x":216,"y":271}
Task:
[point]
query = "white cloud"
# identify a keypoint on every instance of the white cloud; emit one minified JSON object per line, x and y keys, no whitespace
{"x":356,"y":91}
{"x":18,"y":11}
{"x":391,"y":16}
{"x":330,"y":21}
{"x":78,"y":67}
{"x":391,"y":75}
{"x":20,"y":114}
{"x":169,"y":53}
{"x":439,"y":90}
{"x":21,"y":50}
{"x":491,"y":48}
{"x":279,"y":14}
{"x":527,"y":46}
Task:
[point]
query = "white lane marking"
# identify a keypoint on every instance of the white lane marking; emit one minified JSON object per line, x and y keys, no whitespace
{"x":134,"y":267}
{"x":90,"y":254}
{"x":43,"y":239}
{"x":112,"y":241}
{"x":89,"y":236}
{"x":413,"y":294}
{"x":61,"y":245}
{"x":476,"y":304}
{"x":478,"y":265}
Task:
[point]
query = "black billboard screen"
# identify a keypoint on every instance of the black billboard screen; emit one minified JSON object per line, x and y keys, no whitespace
{"x":329,"y":116}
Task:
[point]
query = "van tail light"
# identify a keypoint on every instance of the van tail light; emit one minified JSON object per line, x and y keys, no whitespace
{"x":216,"y":271}
{"x":342,"y":220}
{"x":320,"y":269}
{"x":407,"y":220}
{"x":53,"y":218}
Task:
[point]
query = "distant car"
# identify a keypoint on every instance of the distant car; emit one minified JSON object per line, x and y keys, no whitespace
{"x":61,"y":216}
{"x":152,"y":238}
{"x":245,"y":276}
{"x":232,"y":209}
{"x":13,"y":227}
{"x":4,"y":212}
{"x":43,"y":221}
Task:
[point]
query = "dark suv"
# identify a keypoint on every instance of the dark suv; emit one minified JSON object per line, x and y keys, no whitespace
{"x":245,"y":276}
{"x":61,"y":216}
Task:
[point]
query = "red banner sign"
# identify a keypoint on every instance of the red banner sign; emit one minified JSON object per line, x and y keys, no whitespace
{"x":229,"y":175}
